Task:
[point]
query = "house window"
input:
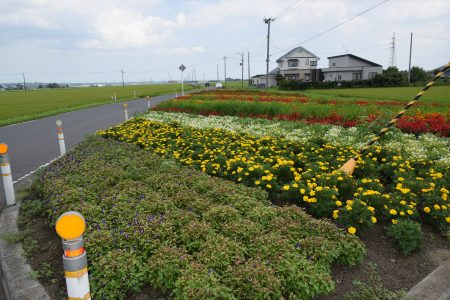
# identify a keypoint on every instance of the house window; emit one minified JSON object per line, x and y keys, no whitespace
{"x":333,"y":64}
{"x":372,"y":75}
{"x":308,"y":76}
{"x":307,"y":62}
{"x":356,"y":76}
{"x":339,"y":78}
{"x":313,"y":63}
{"x":292,"y":63}
{"x":292,"y":77}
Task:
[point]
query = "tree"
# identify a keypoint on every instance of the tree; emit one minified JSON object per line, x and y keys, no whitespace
{"x":418,"y":74}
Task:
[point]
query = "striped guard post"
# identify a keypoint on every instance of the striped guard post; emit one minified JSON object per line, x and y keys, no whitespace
{"x":62,"y":144}
{"x":125,"y":111}
{"x":70,"y":227}
{"x":6,"y":175}
{"x":349,"y":166}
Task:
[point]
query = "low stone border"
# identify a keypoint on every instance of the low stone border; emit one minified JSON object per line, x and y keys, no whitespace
{"x":436,"y":286}
{"x":17,"y":283}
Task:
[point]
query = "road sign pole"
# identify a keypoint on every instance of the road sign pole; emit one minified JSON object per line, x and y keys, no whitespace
{"x":70,"y":227}
{"x":182,"y":68}
{"x":6,"y":175}
{"x":62,"y":144}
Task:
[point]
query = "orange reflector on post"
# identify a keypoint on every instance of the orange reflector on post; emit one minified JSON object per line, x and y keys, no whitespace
{"x":74,"y":253}
{"x":70,"y":225}
{"x":3,"y":148}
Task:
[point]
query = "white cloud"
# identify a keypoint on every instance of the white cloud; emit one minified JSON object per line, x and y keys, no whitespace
{"x":120,"y":28}
{"x":188,"y":50}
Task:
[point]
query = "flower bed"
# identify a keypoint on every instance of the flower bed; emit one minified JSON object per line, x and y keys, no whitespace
{"x":385,"y":185}
{"x":431,"y":116}
{"x":426,"y":146}
{"x":152,"y":222}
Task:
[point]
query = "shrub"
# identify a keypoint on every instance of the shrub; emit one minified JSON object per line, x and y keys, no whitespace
{"x":406,"y":236}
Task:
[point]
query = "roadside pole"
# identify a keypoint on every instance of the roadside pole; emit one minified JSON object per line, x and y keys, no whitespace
{"x":148,"y":102}
{"x":70,"y":226}
{"x":125,"y":111}
{"x":6,"y":175}
{"x":62,"y":145}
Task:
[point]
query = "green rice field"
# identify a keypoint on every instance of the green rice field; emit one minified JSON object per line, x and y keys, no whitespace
{"x":18,"y":106}
{"x":439,"y":94}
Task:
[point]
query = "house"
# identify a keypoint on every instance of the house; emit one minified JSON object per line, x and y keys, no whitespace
{"x":299,"y":64}
{"x":260,"y":80}
{"x":348,"y":67}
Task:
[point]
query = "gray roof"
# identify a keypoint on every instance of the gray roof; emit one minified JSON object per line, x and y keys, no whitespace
{"x":358,"y":58}
{"x":295,"y":49}
{"x":435,"y":71}
{"x":275,"y":71}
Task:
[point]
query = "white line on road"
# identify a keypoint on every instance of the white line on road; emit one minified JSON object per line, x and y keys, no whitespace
{"x":34,"y":171}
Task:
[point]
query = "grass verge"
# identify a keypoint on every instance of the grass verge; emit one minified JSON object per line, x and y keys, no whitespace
{"x":153,"y":223}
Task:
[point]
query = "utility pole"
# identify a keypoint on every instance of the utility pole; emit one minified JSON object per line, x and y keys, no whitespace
{"x":409,"y":66}
{"x":248,"y":65}
{"x":24,"y":83}
{"x":392,"y":60}
{"x":195,"y":77}
{"x":225,"y":70}
{"x":267,"y":21}
{"x":123,"y":81}
{"x":242,"y":67}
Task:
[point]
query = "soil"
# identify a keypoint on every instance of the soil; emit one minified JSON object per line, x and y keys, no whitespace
{"x":396,"y":271}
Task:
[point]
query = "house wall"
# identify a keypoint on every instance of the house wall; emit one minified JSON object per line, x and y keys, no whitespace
{"x":260,"y":81}
{"x":338,"y":62}
{"x":347,"y":73}
{"x":302,"y":57}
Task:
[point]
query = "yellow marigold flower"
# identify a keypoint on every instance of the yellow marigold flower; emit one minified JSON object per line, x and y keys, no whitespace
{"x":409,"y":212}
{"x":294,"y":185}
{"x":426,"y":209}
{"x":447,"y":219}
{"x":305,"y":198}
{"x":351,"y":230}
{"x":372,"y":209}
{"x":436,"y":207}
{"x":302,"y":191}
{"x":393,"y":212}
{"x":374,"y":220}
{"x":340,"y":178}
{"x":286,"y":187}
{"x":338,"y":203}
{"x":257,"y":182}
{"x":268,"y":186}
{"x":348,"y":207}
{"x":394,"y":221}
{"x":402,"y":213}
{"x":312,"y":193}
{"x":335,"y":214}
{"x":400,"y":179}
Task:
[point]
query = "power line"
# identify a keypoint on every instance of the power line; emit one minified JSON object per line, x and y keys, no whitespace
{"x":292,"y":11}
{"x":335,"y":26}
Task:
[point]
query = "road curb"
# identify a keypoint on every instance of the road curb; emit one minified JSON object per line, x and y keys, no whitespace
{"x":15,"y":272}
{"x":436,"y":286}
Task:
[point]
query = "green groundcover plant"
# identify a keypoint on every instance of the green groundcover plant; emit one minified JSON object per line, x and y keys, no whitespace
{"x":153,"y":222}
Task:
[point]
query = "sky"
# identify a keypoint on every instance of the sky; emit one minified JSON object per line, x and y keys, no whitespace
{"x":92,"y":40}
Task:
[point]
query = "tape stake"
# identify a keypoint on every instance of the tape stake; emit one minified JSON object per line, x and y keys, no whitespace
{"x":436,"y":78}
{"x":70,"y":226}
{"x":61,"y":142}
{"x":6,"y":175}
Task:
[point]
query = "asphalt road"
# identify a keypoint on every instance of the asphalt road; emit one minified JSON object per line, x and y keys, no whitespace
{"x":34,"y":143}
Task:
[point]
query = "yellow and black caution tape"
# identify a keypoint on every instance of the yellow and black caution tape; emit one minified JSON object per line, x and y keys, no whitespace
{"x":349,"y":166}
